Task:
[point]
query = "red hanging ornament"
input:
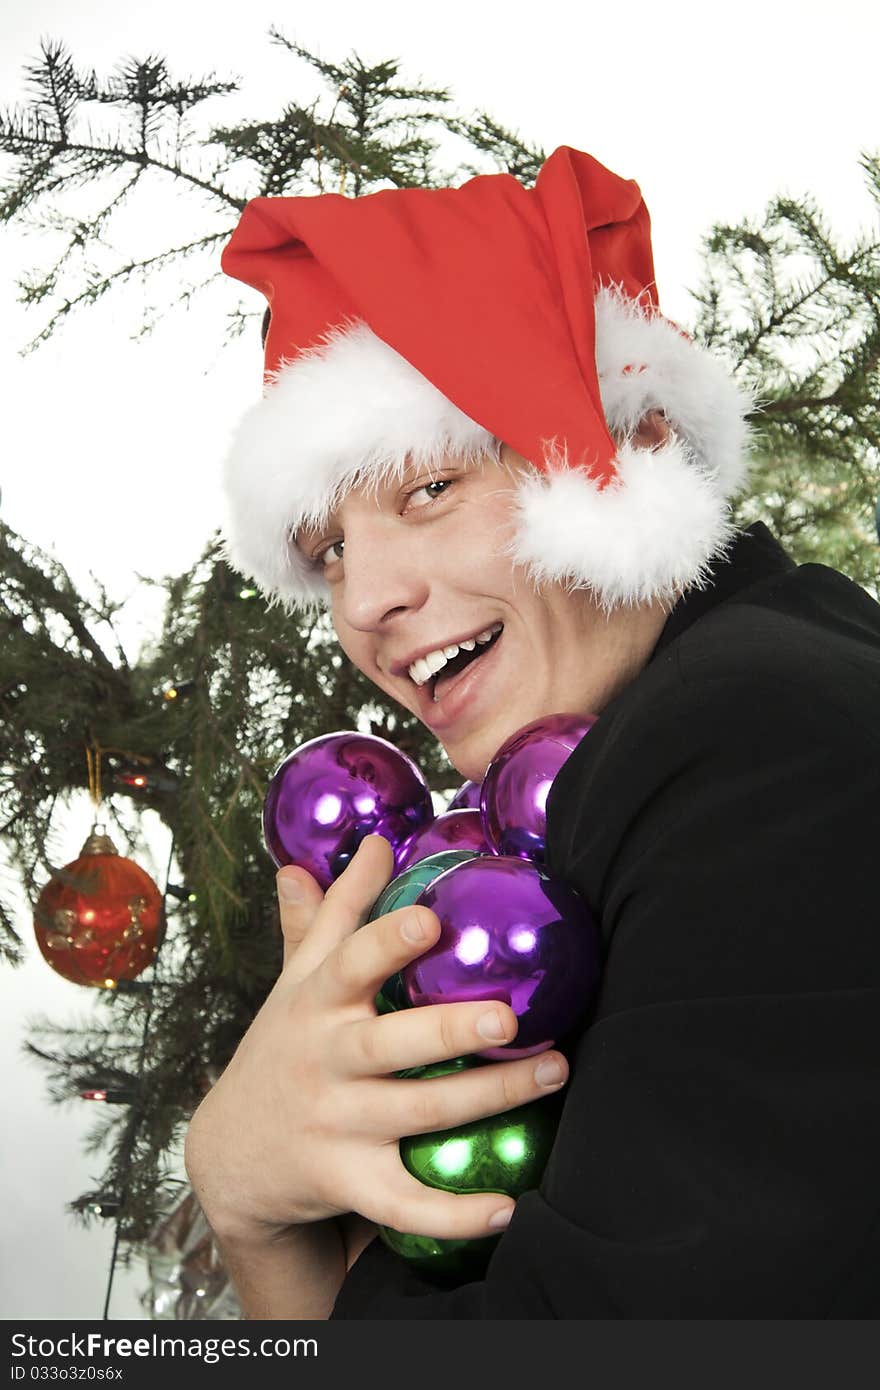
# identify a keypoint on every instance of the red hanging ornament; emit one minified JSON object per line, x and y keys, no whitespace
{"x":98,"y":919}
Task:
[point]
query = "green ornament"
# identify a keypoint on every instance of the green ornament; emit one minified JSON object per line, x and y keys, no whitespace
{"x":403,"y":891}
{"x":502,"y":1153}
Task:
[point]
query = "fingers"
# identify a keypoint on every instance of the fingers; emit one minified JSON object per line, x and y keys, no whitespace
{"x":391,"y":1108}
{"x":363,"y":961}
{"x":416,"y":1037}
{"x":410,"y":1206}
{"x":299,"y":898}
{"x":427,"y":1104}
{"x":349,"y":899}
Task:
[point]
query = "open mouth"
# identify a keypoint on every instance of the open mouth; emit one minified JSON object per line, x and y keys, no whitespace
{"x":447,"y":678}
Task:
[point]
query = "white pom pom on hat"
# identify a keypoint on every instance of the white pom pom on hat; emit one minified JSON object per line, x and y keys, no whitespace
{"x":414,"y":324}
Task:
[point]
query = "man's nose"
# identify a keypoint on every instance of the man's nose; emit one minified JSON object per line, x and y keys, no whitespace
{"x":386,"y":573}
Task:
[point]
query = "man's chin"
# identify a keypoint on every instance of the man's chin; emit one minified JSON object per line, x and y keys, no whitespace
{"x":471,"y":753}
{"x":470,"y":757}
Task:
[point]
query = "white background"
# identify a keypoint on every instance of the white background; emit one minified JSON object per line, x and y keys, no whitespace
{"x":111,"y":448}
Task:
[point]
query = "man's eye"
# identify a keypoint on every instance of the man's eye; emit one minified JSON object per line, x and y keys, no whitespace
{"x":440,"y":483}
{"x":327,"y":556}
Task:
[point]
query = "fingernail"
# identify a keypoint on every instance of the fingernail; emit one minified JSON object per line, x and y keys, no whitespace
{"x":490,"y":1026}
{"x":413,"y":929}
{"x":549,"y":1073}
{"x":501,"y":1219}
{"x":290,"y":889}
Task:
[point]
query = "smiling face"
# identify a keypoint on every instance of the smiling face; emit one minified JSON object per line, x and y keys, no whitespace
{"x":416,"y":568}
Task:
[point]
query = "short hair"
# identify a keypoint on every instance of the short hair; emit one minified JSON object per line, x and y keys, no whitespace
{"x":265,"y":325}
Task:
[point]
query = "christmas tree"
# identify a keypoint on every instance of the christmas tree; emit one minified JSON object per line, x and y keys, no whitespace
{"x":192,"y":729}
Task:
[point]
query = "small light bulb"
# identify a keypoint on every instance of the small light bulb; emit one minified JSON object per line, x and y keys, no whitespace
{"x":109,"y":984}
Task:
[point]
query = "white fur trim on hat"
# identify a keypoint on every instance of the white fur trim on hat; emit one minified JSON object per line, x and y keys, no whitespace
{"x":644,"y":363}
{"x":354,"y":411}
{"x":350,"y":411}
{"x":645,"y":536}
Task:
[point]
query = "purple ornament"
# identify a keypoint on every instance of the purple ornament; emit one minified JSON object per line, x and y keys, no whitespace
{"x":452,"y":830}
{"x":330,"y":793}
{"x":467,"y":798}
{"x":511,"y":932}
{"x":513,"y":797}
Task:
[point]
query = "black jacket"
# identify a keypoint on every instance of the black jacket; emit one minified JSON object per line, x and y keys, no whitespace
{"x":719,"y":1149}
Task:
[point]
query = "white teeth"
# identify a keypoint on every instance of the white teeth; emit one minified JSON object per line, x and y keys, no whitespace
{"x":420,"y":671}
{"x":427,"y":666}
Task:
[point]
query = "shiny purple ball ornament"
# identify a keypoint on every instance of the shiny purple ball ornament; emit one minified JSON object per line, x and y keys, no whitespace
{"x":513,"y":796}
{"x":332,"y":792}
{"x":453,"y":830}
{"x":511,"y":932}
{"x":467,"y":798}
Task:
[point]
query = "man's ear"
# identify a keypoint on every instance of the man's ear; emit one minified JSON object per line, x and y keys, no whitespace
{"x":653,"y":430}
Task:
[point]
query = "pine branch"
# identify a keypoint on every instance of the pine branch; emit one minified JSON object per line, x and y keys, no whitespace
{"x":56,"y":86}
{"x":508,"y":151}
{"x":365,"y":88}
{"x":113,"y":155}
{"x":57,"y":152}
{"x":785,"y":405}
{"x":97,"y":286}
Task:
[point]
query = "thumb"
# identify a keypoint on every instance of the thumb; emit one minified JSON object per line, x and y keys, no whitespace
{"x":299,"y":898}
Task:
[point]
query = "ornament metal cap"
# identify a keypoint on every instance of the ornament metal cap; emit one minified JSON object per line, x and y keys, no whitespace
{"x":98,"y":842}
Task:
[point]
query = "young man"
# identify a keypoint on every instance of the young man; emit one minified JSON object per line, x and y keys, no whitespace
{"x":478,"y":424}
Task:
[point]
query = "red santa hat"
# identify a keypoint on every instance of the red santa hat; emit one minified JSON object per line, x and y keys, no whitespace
{"x":412,"y":324}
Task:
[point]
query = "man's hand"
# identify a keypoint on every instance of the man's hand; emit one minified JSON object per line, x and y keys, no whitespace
{"x":304,"y":1124}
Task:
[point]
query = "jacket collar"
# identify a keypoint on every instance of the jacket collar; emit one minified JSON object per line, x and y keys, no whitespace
{"x":754,"y":555}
